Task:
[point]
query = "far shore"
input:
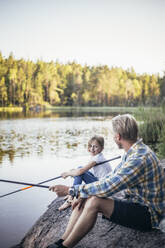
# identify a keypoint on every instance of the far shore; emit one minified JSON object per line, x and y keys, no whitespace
{"x":80,"y":109}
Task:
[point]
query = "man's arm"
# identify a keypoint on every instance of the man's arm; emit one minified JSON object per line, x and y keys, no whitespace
{"x":127,"y":176}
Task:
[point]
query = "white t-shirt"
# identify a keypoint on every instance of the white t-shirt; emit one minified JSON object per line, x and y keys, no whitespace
{"x":100,"y":170}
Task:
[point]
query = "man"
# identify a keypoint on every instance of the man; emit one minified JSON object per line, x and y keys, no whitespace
{"x":139,"y":175}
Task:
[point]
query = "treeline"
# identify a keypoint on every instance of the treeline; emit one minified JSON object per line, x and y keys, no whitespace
{"x":28,"y":84}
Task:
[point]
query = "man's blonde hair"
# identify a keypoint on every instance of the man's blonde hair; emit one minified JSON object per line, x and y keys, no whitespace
{"x":126,"y":126}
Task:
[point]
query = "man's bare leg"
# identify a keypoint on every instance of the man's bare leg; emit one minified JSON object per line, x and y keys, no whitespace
{"x":87,"y":219}
{"x":76,"y":213}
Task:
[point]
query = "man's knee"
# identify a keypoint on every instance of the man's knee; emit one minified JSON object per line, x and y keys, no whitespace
{"x":102,"y":205}
{"x":93,"y":203}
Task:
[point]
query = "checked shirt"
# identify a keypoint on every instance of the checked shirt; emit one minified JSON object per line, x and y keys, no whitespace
{"x":140,"y":175}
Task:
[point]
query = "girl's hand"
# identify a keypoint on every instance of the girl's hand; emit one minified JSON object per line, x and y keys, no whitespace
{"x":69,"y":173}
{"x":65,"y":175}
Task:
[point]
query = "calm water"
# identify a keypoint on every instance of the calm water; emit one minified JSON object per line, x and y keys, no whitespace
{"x":36,"y":148}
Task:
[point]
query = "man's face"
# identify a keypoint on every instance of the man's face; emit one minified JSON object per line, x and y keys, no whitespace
{"x":117,"y":139}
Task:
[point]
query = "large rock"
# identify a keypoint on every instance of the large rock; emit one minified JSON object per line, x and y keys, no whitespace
{"x":105,"y":234}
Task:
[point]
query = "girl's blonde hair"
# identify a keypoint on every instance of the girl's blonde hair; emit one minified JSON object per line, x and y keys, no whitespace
{"x":126,"y":126}
{"x":99,"y":139}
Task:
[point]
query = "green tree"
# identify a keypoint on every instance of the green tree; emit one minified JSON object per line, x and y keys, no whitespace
{"x":12,"y":76}
{"x":27,"y":84}
{"x":3,"y":92}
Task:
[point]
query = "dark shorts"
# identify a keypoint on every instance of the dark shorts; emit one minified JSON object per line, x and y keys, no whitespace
{"x":131,"y":215}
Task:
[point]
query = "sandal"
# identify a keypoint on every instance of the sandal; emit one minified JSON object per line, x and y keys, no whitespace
{"x":66,"y":204}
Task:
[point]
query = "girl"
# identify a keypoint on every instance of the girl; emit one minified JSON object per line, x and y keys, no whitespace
{"x":91,"y":172}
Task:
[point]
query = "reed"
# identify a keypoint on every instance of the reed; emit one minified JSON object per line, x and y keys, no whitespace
{"x":152,"y":129}
{"x":161,"y":144}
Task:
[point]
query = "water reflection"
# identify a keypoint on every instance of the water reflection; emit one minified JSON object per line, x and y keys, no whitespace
{"x":56,"y":114}
{"x":63,"y":136}
{"x":10,"y":153}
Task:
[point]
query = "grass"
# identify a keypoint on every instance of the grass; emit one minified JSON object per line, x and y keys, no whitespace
{"x":11,"y":109}
{"x":152,"y":129}
{"x":84,"y":109}
{"x":100,"y":109}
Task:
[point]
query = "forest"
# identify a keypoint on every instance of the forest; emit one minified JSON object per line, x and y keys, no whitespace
{"x":27,"y":84}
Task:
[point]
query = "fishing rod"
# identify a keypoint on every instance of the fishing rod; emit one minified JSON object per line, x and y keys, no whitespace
{"x":39,"y":184}
{"x":24,"y":183}
{"x":111,"y":159}
{"x":18,"y":190}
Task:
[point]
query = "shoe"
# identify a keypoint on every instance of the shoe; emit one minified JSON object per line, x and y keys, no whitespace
{"x":56,"y":246}
{"x":53,"y":246}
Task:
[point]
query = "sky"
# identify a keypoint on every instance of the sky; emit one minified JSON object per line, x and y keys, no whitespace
{"x":118,"y":33}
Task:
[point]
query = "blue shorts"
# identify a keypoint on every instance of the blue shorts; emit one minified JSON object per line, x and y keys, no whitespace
{"x":133,"y":215}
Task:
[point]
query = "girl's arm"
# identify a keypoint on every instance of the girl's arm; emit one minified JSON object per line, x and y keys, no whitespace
{"x":79,"y":171}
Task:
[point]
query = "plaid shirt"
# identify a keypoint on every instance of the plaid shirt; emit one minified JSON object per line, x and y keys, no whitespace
{"x":140,"y":175}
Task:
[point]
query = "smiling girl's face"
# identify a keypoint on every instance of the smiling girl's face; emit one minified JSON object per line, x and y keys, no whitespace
{"x":94,"y":148}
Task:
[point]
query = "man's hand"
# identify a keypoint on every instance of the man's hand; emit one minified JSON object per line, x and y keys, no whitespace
{"x":60,"y":190}
{"x":78,"y":202}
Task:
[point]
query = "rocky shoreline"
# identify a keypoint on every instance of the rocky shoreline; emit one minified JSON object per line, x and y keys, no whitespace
{"x":105,"y":234}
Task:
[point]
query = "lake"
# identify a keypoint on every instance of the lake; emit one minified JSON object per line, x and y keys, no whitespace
{"x":36,"y":147}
